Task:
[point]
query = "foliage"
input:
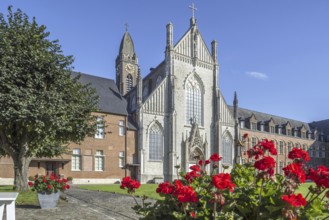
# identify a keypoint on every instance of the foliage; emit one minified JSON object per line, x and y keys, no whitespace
{"x":49,"y":184}
{"x":250,"y":191}
{"x":42,"y":107}
{"x":69,"y":178}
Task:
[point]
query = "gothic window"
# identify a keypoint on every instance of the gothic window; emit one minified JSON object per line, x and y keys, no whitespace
{"x":155,"y":143}
{"x":129,"y":82}
{"x":193,"y":101}
{"x":227,"y":149}
{"x":158,"y":80}
{"x":281,"y":147}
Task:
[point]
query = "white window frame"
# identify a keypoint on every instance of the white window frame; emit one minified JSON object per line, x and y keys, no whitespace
{"x":99,"y":160}
{"x":155,"y":143}
{"x":121,"y":159}
{"x":100,"y":128}
{"x":121,"y":128}
{"x":76,"y":159}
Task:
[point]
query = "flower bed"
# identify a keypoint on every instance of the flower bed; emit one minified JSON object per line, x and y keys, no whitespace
{"x":250,"y":191}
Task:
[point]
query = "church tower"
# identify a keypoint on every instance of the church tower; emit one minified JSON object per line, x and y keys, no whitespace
{"x":126,"y":65}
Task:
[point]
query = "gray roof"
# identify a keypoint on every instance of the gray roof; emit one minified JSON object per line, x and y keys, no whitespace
{"x":246,"y":113}
{"x":321,"y":126}
{"x":127,"y":44}
{"x":110,"y":100}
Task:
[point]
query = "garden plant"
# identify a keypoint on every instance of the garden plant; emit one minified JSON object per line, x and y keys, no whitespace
{"x":250,"y":191}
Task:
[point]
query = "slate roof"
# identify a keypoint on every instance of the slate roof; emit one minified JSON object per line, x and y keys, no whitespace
{"x":321,"y":126}
{"x":110,"y":100}
{"x":260,"y":116}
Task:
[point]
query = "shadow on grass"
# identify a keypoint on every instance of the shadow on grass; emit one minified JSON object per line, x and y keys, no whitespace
{"x":28,"y":206}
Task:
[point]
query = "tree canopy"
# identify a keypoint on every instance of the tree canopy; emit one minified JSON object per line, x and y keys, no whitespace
{"x":42,"y":108}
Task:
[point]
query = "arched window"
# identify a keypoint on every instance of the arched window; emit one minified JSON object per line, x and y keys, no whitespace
{"x":227,"y":149}
{"x":155,"y":143}
{"x":158,"y":80}
{"x":193,"y":102}
{"x":129,"y":82}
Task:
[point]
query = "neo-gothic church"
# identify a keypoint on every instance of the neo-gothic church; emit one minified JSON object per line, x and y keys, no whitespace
{"x":179,"y":111}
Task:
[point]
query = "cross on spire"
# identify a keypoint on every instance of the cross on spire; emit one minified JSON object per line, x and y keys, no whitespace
{"x":193,"y":9}
{"x":126,"y":24}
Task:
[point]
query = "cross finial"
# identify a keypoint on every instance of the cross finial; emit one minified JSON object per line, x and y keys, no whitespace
{"x":193,"y":9}
{"x":126,"y":24}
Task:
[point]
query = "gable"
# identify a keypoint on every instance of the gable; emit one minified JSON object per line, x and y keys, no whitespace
{"x":186,"y":43}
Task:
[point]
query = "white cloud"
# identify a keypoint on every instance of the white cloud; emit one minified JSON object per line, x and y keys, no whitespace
{"x":257,"y":75}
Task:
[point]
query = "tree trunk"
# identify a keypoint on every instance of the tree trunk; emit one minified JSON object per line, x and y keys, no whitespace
{"x":21,"y":168}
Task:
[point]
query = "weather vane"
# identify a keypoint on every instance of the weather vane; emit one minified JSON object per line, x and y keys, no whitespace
{"x":193,"y":9}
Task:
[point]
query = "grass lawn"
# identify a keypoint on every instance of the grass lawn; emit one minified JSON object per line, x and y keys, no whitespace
{"x":24,"y":198}
{"x":145,"y":189}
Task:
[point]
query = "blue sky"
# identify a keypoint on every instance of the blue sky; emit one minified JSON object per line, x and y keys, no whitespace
{"x":274,"y":53}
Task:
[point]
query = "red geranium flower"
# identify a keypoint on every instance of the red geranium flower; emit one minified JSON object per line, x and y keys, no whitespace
{"x":130,"y":184}
{"x":268,"y":145}
{"x":49,"y":186}
{"x":298,"y":154}
{"x":266,"y":164}
{"x":294,"y":200}
{"x":165,"y":188}
{"x":295,"y":171}
{"x":245,"y":136}
{"x":223,"y":181}
{"x":190,"y":176}
{"x":320,"y":176}
{"x":30,"y":184}
{"x":186,"y":194}
{"x":195,"y":168}
{"x":215,"y":157}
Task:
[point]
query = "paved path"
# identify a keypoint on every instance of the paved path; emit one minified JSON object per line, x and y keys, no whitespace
{"x":83,"y":204}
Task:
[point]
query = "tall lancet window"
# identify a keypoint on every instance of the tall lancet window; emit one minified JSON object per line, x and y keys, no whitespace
{"x":227,"y":149}
{"x":193,"y":102}
{"x":129,"y":82}
{"x":155,"y":143}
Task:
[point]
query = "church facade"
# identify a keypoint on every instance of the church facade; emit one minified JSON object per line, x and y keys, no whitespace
{"x":176,"y":106}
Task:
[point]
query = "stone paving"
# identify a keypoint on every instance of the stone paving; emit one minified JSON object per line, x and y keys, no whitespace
{"x":83,"y":204}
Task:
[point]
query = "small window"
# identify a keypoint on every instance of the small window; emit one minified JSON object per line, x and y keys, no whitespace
{"x":253,"y":141}
{"x":253,"y":126}
{"x":76,"y":159}
{"x":289,"y":147}
{"x":281,"y":147}
{"x":99,"y":160}
{"x":303,"y":135}
{"x":279,"y":130}
{"x":242,"y":124}
{"x":288,"y":132}
{"x":121,"y":128}
{"x":121,"y":159}
{"x":262,"y":127}
{"x":272,"y":129}
{"x":100,"y":128}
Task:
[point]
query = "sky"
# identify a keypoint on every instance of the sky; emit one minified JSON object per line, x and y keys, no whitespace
{"x":274,"y":53}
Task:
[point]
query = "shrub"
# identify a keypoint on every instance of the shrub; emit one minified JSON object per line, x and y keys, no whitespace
{"x":250,"y":191}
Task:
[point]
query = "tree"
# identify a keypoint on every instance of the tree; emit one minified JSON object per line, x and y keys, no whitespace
{"x":42,"y":108}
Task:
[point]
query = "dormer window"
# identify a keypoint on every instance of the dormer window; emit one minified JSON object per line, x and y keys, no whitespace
{"x":303,"y":135}
{"x":279,"y":129}
{"x":309,"y":135}
{"x":241,"y":123}
{"x":262,"y":126}
{"x":288,"y":132}
{"x":253,"y":126}
{"x":272,"y":129}
{"x":295,"y":132}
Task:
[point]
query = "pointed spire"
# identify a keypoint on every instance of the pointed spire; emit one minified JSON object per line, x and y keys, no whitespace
{"x":235,"y":106}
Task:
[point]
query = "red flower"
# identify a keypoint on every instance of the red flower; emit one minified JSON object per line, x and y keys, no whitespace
{"x":295,"y":171}
{"x":130,"y":184}
{"x":68,"y":187}
{"x":193,"y":215}
{"x":266,"y":164}
{"x":268,"y":145}
{"x":223,"y":181}
{"x":255,"y":152}
{"x":165,"y":188}
{"x":294,"y":200}
{"x":190,"y":176}
{"x":186,"y":194}
{"x":320,"y":176}
{"x":245,"y":136}
{"x":207,"y":162}
{"x":64,"y":180}
{"x":49,"y":186}
{"x":203,"y":162}
{"x":215,"y":157}
{"x":44,"y":180}
{"x":195,"y":168}
{"x":30,"y":184}
{"x":298,"y":154}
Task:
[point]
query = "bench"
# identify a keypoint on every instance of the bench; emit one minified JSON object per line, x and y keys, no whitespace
{"x":8,"y":199}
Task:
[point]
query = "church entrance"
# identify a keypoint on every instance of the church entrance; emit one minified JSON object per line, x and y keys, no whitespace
{"x":51,"y":168}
